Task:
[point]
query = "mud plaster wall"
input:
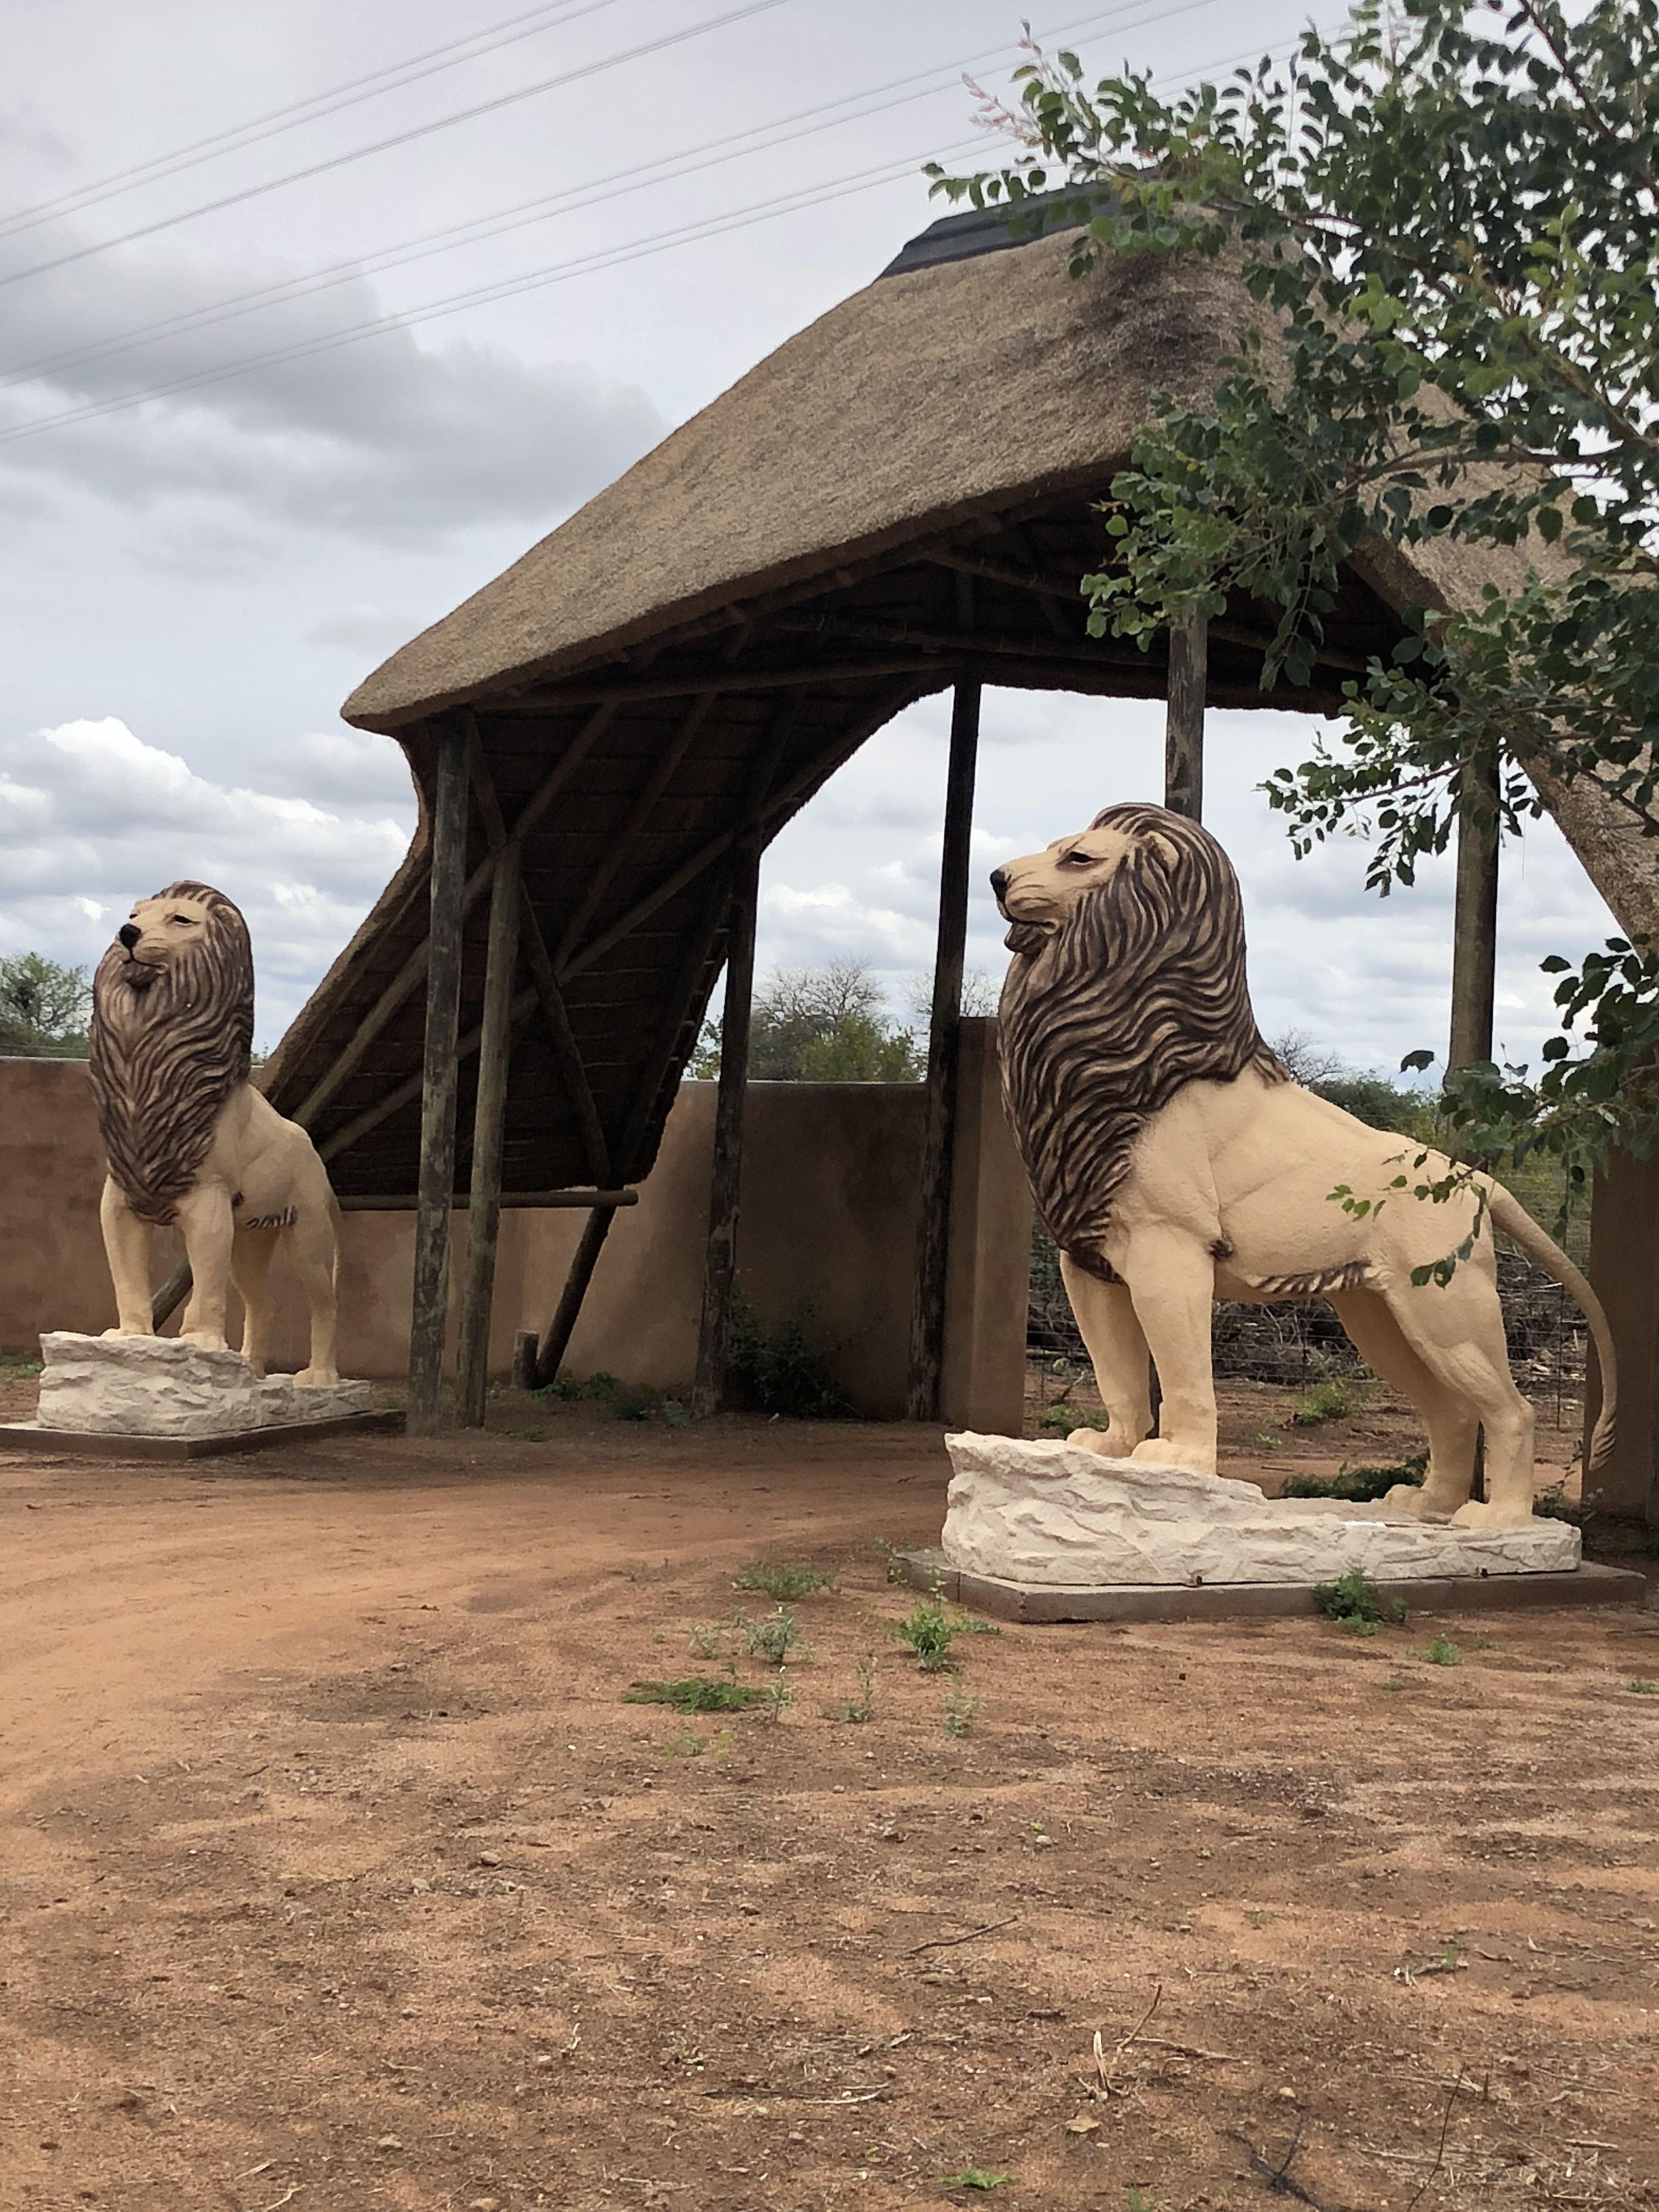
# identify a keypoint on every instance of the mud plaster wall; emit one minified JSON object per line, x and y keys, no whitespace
{"x":828,"y":1232}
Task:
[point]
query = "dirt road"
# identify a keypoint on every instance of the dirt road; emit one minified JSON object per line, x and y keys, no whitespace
{"x":335,"y":1874}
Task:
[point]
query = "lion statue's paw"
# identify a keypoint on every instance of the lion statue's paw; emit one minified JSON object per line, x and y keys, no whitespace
{"x":1407,"y":1498}
{"x":1094,"y":1440}
{"x":1479,"y":1515}
{"x":316,"y":1378}
{"x":1169,"y":1452}
{"x":128,"y":1331}
{"x":208,"y":1340}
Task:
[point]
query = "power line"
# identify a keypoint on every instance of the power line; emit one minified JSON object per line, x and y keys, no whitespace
{"x":403,"y":138}
{"x":508,"y":287}
{"x":711,"y":154}
{"x":258,"y":128}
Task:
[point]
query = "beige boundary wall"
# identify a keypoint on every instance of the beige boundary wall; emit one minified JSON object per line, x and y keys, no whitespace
{"x":830,"y":1195}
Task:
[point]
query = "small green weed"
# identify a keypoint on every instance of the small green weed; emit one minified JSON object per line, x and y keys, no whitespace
{"x":708,"y":1639}
{"x":695,"y":1693}
{"x":777,"y":1696}
{"x":776,"y":1638}
{"x":1355,"y":1603}
{"x":528,"y":1436}
{"x":892,"y":1559}
{"x":962,"y":1709}
{"x":1555,"y":1505}
{"x":863,"y":1706}
{"x":1395,"y":1682}
{"x":21,"y":1363}
{"x":930,"y":1630}
{"x":1136,"y":2200}
{"x":1639,"y":1687}
{"x":684,"y":1743}
{"x":974,"y":2177}
{"x":1441,"y":1652}
{"x":1266,"y":1441}
{"x":1359,"y":1485}
{"x":782,"y":1580}
{"x":1259,"y":1920}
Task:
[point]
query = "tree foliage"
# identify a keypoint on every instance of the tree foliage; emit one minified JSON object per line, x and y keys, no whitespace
{"x":1447,"y":218}
{"x":43,"y":1008}
{"x":820,"y":1025}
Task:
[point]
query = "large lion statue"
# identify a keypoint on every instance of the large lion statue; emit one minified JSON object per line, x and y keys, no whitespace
{"x":188,"y":1139}
{"x":1176,"y":1161}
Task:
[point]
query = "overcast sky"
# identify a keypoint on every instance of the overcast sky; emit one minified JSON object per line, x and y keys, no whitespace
{"x":196,"y":581}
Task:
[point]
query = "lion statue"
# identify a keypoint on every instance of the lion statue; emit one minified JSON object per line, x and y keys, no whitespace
{"x":1174,"y":1163}
{"x":190,"y":1140}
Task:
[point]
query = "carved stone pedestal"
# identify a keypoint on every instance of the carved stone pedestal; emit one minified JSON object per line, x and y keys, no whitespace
{"x":1051,"y":1532}
{"x":163,"y":1398}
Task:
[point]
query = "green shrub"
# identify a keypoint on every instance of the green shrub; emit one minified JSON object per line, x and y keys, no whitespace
{"x":1555,"y":1505}
{"x":695,"y":1693}
{"x":623,"y":1401}
{"x":1442,"y":1652}
{"x":1335,"y":1398}
{"x":782,"y":1580}
{"x":1355,"y":1602}
{"x":1359,"y":1485}
{"x":778,"y":1370}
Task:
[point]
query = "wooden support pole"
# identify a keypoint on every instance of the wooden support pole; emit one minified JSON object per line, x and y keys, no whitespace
{"x":720,"y":1266}
{"x":488,"y":1119}
{"x":1474,"y":922}
{"x":939,"y":1125}
{"x":430,"y":1306}
{"x":1183,"y":728}
{"x":561,"y":1327}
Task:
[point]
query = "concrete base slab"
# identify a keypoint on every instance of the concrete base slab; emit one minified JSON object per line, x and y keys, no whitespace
{"x":1040,"y":1603}
{"x":98,"y":1443}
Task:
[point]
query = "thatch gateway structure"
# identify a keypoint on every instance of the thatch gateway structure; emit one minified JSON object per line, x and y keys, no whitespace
{"x":898,"y":500}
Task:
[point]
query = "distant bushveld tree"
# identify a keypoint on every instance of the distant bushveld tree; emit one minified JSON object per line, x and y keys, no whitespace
{"x":831,"y":1025}
{"x":43,"y":1008}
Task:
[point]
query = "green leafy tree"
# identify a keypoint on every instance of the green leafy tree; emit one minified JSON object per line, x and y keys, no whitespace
{"x":43,"y":1008}
{"x":820,"y":1025}
{"x":1446,"y":217}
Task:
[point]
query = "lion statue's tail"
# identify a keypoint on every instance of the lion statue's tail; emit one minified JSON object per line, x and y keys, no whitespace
{"x":1511,"y":1217}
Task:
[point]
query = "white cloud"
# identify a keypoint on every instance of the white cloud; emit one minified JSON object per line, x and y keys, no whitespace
{"x":93,"y":817}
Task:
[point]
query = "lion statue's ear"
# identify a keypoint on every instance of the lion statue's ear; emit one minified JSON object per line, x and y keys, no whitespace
{"x":1161,"y":849}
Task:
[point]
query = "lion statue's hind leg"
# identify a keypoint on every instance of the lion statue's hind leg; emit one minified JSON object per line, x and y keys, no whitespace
{"x":1452,"y":1425}
{"x":1117,"y":1352}
{"x":250,"y":1256}
{"x":1458,"y":1333}
{"x":312,"y":1251}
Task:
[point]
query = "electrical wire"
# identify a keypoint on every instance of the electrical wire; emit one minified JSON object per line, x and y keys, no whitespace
{"x":710,"y":154}
{"x":258,"y":128}
{"x":403,"y":138}
{"x":533,"y":279}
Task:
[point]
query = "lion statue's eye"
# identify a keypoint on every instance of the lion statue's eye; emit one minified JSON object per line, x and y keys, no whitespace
{"x":1076,"y":859}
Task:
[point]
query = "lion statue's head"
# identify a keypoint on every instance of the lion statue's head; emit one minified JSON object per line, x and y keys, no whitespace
{"x":172,"y":1037}
{"x":1127,"y":982}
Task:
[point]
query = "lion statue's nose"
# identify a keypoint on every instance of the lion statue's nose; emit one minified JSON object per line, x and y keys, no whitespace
{"x":129,"y":933}
{"x":998,"y":881}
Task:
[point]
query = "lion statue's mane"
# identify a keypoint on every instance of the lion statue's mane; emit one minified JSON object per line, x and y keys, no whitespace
{"x":169,"y":1046}
{"x":1140,"y":991}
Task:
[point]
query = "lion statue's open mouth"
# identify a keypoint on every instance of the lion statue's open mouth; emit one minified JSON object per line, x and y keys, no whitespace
{"x":1027,"y":938}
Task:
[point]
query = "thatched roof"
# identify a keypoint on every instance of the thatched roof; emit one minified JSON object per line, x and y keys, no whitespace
{"x":902,"y":494}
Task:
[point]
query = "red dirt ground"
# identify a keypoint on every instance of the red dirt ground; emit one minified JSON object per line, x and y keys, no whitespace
{"x":336,"y":1875}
